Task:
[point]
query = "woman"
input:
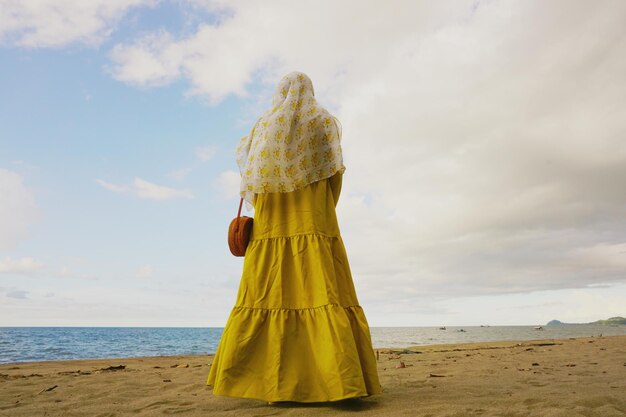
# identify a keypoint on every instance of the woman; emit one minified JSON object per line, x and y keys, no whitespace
{"x":297,"y":332}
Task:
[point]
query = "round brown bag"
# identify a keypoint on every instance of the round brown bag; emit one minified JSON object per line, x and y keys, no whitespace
{"x":239,"y":233}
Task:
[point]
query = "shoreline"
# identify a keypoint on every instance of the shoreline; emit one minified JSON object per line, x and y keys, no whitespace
{"x":551,"y":377}
{"x":385,"y":348}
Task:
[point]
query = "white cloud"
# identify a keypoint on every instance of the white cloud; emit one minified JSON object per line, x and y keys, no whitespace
{"x":148,"y":190}
{"x":152,"y":191}
{"x":113,"y":187}
{"x":67,"y":272}
{"x":17,"y":209}
{"x":482,"y":140}
{"x":145,"y":271}
{"x":54,"y":23}
{"x":146,"y":68}
{"x":484,"y":152}
{"x":89,"y":305}
{"x":20,"y":266}
{"x":222,"y":59}
{"x":205,"y":153}
{"x":227,"y":183}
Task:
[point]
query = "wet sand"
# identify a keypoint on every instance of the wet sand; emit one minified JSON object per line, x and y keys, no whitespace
{"x":568,"y":378}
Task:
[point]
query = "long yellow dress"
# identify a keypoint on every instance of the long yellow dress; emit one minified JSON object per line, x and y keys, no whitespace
{"x":297,"y":332}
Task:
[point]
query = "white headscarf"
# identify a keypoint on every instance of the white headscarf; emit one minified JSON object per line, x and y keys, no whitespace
{"x":295,"y":143}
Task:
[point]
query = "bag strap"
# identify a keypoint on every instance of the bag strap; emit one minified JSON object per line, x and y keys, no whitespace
{"x":239,"y":212}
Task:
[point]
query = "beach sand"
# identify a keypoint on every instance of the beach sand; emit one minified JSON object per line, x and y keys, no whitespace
{"x":570,"y":377}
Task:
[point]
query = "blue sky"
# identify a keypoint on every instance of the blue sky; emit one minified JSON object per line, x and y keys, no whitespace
{"x":479,"y":155}
{"x":66,"y":123}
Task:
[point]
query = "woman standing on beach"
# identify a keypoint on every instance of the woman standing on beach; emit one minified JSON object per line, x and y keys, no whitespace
{"x":297,"y":332}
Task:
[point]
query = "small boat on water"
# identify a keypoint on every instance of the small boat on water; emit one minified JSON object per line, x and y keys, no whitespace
{"x":538,"y":328}
{"x":442,"y":328}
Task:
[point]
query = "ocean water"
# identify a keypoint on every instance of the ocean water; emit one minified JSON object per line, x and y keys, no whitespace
{"x":25,"y":344}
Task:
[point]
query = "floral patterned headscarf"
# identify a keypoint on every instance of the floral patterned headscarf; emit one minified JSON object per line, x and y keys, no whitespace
{"x":295,"y":143}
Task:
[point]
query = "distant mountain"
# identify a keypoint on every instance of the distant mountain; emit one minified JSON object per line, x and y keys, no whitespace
{"x":612,"y":320}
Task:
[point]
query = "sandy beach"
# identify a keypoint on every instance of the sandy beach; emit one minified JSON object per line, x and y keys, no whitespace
{"x":570,"y":377}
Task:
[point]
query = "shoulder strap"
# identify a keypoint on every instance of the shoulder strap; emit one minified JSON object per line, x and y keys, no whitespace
{"x":239,"y":212}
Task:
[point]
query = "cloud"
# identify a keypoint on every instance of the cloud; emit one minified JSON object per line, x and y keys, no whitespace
{"x":146,"y":189}
{"x":82,"y":305}
{"x":55,"y":23}
{"x":17,"y":209}
{"x":144,"y":67}
{"x":152,"y":191}
{"x":113,"y":187}
{"x":227,"y":183}
{"x":483,"y":140}
{"x":19,"y":294}
{"x":205,"y":153}
{"x":19,"y":266}
{"x":145,"y":271}
{"x":67,"y":272}
{"x":491,"y":152}
{"x":225,"y":57}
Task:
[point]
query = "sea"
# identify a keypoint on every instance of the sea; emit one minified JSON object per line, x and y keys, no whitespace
{"x":28,"y":344}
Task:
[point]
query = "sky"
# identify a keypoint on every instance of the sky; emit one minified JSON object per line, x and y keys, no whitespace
{"x":483,"y":142}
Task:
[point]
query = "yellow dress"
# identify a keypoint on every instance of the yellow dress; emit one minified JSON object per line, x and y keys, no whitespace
{"x":297,"y":332}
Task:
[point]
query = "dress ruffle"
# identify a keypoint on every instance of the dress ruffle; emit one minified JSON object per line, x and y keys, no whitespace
{"x":308,"y":355}
{"x":299,"y":271}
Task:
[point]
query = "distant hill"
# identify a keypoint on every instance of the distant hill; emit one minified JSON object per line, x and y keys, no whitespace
{"x":612,"y":320}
